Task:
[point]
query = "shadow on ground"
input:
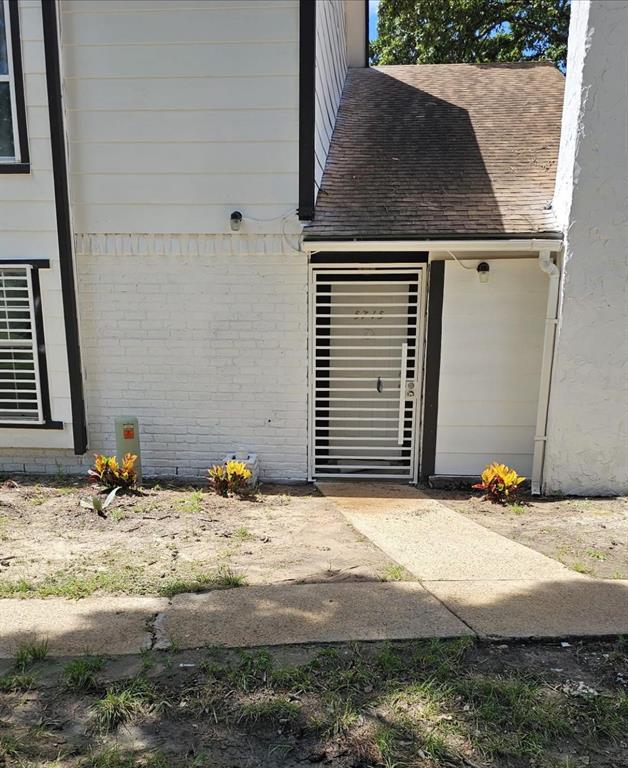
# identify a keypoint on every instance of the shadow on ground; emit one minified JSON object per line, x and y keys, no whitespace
{"x":278,"y":615}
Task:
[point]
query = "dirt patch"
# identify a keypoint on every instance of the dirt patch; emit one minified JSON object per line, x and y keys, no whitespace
{"x":588,"y":535}
{"x":426,"y":704}
{"x":173,"y":539}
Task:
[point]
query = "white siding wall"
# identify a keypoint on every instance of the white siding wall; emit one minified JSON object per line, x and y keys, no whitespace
{"x":177,"y":114}
{"x":181,"y":112}
{"x":587,"y":445}
{"x":490,"y":366}
{"x":331,"y":70}
{"x":28,"y":230}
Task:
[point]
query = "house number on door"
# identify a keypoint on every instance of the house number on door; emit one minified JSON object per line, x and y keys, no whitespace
{"x":368,"y":314}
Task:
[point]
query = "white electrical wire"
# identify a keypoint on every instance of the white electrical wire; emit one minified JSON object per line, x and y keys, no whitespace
{"x":453,"y":255}
{"x":286,"y":239}
{"x":289,"y":212}
{"x":283,"y":217}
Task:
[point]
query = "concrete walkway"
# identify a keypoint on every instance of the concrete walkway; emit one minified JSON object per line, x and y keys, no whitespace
{"x":431,"y":540}
{"x":497,"y":587}
{"x":469,"y":581}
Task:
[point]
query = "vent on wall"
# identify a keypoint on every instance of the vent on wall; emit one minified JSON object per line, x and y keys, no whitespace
{"x":20,"y":395}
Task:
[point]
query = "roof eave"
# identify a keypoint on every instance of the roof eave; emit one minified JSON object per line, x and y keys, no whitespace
{"x":550,"y":241}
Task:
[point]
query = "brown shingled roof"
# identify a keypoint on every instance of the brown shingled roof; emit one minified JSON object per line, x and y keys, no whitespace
{"x":442,"y":150}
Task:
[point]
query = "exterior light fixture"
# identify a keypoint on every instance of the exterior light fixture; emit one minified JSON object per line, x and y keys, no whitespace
{"x":483,"y":270}
{"x":235,"y":220}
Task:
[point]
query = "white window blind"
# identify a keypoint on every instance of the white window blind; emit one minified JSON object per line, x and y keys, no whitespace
{"x":20,"y":393}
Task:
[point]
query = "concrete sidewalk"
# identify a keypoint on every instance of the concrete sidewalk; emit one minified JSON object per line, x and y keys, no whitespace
{"x":249,"y":616}
{"x":317,"y":613}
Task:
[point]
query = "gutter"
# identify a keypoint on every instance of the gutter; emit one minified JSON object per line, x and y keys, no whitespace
{"x":411,"y":246}
{"x":551,"y":320}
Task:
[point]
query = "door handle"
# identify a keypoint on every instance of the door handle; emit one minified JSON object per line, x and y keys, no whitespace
{"x":380,"y":384}
{"x":402,"y":392}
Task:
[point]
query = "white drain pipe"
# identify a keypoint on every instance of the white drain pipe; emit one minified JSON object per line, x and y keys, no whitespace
{"x":551,"y":320}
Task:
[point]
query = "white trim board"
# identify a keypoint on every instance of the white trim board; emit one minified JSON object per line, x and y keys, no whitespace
{"x":438,"y":246}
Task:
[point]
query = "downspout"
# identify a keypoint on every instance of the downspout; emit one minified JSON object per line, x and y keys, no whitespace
{"x":551,"y":319}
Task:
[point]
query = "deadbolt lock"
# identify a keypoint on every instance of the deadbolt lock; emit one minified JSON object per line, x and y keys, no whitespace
{"x":410,"y":390}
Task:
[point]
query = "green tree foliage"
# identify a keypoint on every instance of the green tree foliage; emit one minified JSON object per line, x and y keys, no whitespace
{"x":472,"y":31}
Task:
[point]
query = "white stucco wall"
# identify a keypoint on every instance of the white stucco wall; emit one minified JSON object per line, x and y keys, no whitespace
{"x":587,"y":445}
{"x":355,"y":12}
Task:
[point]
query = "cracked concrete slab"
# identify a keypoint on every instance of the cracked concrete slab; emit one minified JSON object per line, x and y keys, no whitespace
{"x":538,"y":608}
{"x":433,"y":542}
{"x":109,"y":625}
{"x":307,"y":613}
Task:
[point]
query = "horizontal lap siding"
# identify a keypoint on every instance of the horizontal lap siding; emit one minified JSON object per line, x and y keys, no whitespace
{"x":331,"y":69}
{"x":490,"y":366}
{"x":179,"y":112}
{"x":28,"y":230}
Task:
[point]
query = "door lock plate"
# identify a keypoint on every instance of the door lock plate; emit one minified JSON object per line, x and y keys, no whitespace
{"x":410,"y":390}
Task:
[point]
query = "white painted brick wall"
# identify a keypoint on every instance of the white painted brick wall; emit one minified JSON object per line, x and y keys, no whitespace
{"x":210,"y":352}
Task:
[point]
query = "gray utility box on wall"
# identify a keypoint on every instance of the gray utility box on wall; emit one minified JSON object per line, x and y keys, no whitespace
{"x":128,"y":441}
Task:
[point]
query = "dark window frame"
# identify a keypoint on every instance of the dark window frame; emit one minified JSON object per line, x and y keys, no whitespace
{"x":44,"y":388}
{"x":22,"y":159}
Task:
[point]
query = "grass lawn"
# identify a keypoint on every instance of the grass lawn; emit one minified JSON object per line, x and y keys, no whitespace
{"x":427,"y":703}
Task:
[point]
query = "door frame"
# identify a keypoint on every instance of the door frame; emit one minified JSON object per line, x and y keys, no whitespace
{"x":368,"y":267}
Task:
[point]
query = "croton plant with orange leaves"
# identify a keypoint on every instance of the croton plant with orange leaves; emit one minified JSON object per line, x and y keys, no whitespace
{"x":110,"y":474}
{"x":499,"y":483}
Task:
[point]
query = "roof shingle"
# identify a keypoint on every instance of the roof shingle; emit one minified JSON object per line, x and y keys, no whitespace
{"x":442,"y":150}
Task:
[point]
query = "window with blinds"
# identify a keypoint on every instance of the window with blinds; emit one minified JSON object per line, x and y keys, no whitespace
{"x":20,"y":391}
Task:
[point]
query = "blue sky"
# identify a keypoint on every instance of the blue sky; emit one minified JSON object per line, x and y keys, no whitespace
{"x":373,"y":19}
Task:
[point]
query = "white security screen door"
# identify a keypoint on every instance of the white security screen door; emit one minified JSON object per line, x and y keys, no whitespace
{"x":366,"y":356}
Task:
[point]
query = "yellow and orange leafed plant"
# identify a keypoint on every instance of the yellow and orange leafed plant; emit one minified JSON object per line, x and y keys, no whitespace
{"x":230,"y":477}
{"x":110,"y":474}
{"x":499,"y":483}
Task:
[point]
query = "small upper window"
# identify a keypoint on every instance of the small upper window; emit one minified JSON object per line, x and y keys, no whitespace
{"x":13,"y":144}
